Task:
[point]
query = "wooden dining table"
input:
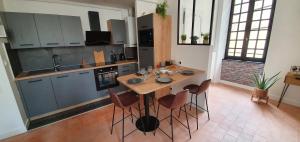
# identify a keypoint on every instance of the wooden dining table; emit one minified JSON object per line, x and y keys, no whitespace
{"x":148,"y":87}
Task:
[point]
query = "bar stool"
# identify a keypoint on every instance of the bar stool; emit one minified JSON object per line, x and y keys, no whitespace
{"x":173,"y":102}
{"x":124,"y":101}
{"x":198,"y":90}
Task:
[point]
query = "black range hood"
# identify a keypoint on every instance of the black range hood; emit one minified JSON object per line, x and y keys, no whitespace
{"x":96,"y":36}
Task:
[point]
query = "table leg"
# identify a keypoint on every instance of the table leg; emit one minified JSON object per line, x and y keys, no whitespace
{"x":151,"y":123}
{"x":286,"y":86}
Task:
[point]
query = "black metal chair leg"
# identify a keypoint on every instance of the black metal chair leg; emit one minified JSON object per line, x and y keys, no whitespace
{"x":113,"y":119}
{"x":123,"y":126}
{"x":187,"y":121}
{"x":191,"y":101}
{"x":179,"y":112}
{"x":172,"y":124}
{"x":197,"y":110}
{"x":206,"y":105}
{"x":157,"y":118}
{"x":131,"y":114}
{"x":141,"y":117}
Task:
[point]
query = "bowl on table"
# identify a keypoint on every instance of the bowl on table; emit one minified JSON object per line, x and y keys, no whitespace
{"x":134,"y":81}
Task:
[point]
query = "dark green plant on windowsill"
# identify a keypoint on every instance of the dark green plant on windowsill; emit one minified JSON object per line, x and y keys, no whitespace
{"x":194,"y":39}
{"x":161,"y":9}
{"x":183,"y":38}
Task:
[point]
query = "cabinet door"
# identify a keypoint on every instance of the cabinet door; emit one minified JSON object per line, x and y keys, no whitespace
{"x":74,"y":88}
{"x":85,"y":85}
{"x":145,"y":22}
{"x":22,"y":30}
{"x":72,"y":30}
{"x":118,"y":31}
{"x":38,"y":96}
{"x":49,"y":30}
{"x":127,"y":69}
{"x":146,"y":57}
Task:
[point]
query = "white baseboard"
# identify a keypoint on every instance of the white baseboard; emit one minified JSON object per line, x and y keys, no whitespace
{"x":13,"y":132}
{"x":236,"y":85}
{"x":272,"y":96}
{"x":285,"y":100}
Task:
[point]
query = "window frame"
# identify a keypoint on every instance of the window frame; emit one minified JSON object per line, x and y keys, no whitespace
{"x":247,"y":32}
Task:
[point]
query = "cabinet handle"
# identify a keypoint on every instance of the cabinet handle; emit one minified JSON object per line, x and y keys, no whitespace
{"x":120,"y":41}
{"x":33,"y":81}
{"x":84,"y":73}
{"x":74,"y":43}
{"x":144,"y":26}
{"x":125,"y":70}
{"x":52,"y":43}
{"x":29,"y":44}
{"x":64,"y":76}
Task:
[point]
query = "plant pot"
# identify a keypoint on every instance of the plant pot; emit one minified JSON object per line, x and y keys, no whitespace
{"x":260,"y":93}
{"x":194,"y":41}
{"x":183,"y":41}
{"x":205,"y":41}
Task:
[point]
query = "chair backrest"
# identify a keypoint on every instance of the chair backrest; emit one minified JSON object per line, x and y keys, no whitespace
{"x":204,"y":86}
{"x":114,"y":98}
{"x":180,"y":99}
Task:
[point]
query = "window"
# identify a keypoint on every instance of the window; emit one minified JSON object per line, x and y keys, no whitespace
{"x":249,"y":29}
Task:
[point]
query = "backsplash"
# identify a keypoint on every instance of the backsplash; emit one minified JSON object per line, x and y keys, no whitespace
{"x":37,"y":59}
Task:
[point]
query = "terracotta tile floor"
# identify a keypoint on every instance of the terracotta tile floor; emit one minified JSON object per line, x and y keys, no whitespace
{"x":234,"y":118}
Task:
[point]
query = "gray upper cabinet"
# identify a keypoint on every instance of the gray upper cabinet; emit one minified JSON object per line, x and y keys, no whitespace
{"x":49,"y":30}
{"x":118,"y":31}
{"x":22,"y":30}
{"x":145,"y":22}
{"x":38,"y":96}
{"x":74,"y":88}
{"x":72,"y":30}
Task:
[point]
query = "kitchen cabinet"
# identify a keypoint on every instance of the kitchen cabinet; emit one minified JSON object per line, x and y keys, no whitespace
{"x":146,"y":56}
{"x":72,"y":31}
{"x":145,"y":22}
{"x":118,"y":31}
{"x":127,"y":69}
{"x":21,"y":30}
{"x":38,"y":96}
{"x":74,"y":88}
{"x":131,"y":32}
{"x":49,"y":30}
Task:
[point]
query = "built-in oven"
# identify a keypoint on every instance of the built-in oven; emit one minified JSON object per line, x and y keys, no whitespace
{"x":146,"y":38}
{"x":106,"y":77}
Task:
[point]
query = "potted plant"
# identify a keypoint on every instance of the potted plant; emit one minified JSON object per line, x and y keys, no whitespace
{"x":161,"y":9}
{"x":194,"y":39}
{"x":183,"y":38}
{"x":262,"y":84}
{"x":205,"y":38}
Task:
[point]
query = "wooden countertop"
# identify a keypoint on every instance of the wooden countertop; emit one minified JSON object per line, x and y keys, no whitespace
{"x":26,"y":75}
{"x":150,"y":84}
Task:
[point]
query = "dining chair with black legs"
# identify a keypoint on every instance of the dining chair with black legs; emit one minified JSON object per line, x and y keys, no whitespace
{"x":124,"y":101}
{"x":173,"y":102}
{"x":198,"y":90}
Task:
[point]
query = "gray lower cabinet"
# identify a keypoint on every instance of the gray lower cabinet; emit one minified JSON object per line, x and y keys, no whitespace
{"x":72,"y":30}
{"x":38,"y":96}
{"x":49,"y":30}
{"x":21,"y":30}
{"x":127,"y":69}
{"x":146,"y":56}
{"x":74,"y":88}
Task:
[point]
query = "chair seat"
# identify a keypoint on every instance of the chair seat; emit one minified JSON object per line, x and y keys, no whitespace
{"x":167,"y":100}
{"x":128,"y":98}
{"x":193,"y":88}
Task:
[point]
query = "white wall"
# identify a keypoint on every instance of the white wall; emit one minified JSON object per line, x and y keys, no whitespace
{"x":67,"y":8}
{"x":284,"y":47}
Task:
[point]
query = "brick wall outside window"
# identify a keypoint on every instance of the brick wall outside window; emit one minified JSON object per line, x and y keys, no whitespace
{"x":240,"y":72}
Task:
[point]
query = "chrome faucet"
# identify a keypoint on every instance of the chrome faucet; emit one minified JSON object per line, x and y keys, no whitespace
{"x":55,"y":62}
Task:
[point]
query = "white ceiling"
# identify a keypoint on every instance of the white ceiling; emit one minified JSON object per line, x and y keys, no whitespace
{"x":113,"y":3}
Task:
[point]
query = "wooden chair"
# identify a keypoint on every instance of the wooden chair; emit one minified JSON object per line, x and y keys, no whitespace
{"x":124,"y":101}
{"x":173,"y":102}
{"x":198,"y":90}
